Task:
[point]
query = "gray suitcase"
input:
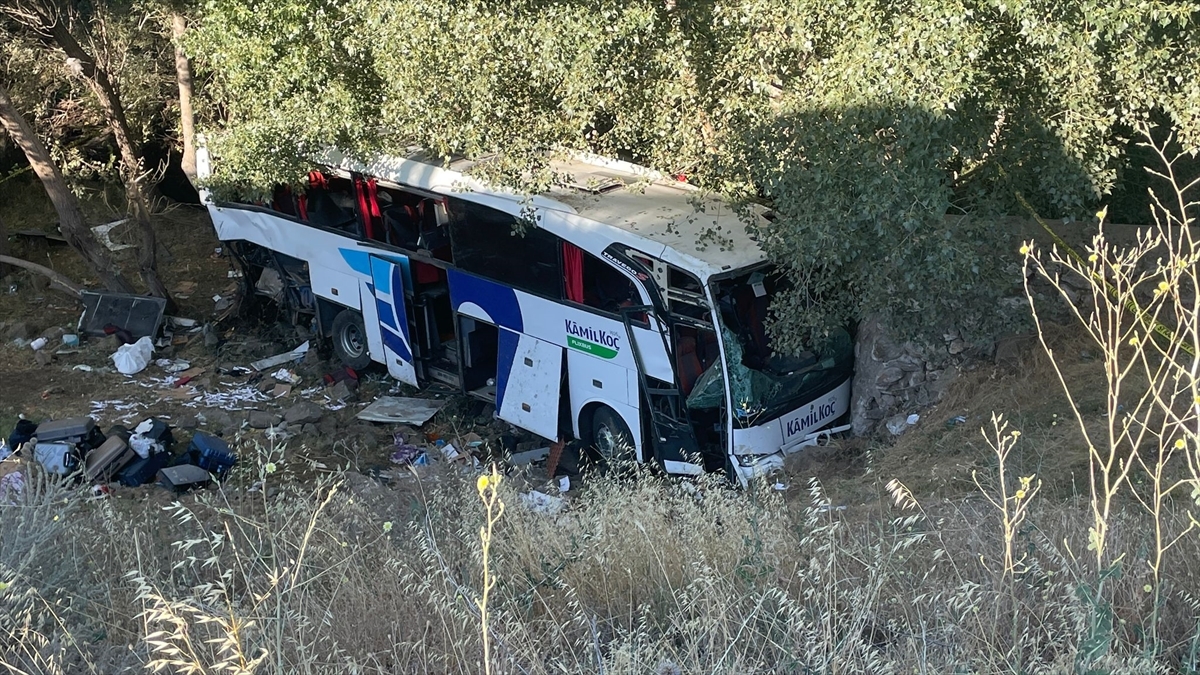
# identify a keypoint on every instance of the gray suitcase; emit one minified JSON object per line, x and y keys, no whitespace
{"x":105,"y":461}
{"x":57,"y":458}
{"x":70,"y":430}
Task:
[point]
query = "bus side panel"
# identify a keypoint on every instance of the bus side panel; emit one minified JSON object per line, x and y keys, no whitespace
{"x":391,"y":319}
{"x":328,"y":255}
{"x":334,"y":286}
{"x":528,"y":388}
{"x":584,"y":372}
{"x":371,"y":323}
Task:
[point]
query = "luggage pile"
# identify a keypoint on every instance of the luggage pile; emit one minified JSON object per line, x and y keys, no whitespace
{"x":77,"y":449}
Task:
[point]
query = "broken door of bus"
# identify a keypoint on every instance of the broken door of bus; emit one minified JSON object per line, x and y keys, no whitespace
{"x":387,"y":279}
{"x":528,"y":394}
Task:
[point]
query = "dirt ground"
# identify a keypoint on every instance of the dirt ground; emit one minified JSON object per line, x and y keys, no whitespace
{"x":938,"y":458}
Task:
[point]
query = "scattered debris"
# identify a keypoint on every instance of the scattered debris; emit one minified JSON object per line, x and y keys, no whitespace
{"x":137,"y":315}
{"x":240,"y":398}
{"x":564,"y":483}
{"x":529,"y":456}
{"x":540,"y":502}
{"x":401,"y":410}
{"x":38,"y":343}
{"x":104,"y":234}
{"x":956,"y":420}
{"x":280,"y":359}
{"x":172,"y":365}
{"x":451,"y":453}
{"x":132,"y":359}
{"x":406,"y":453}
{"x":287,"y":376}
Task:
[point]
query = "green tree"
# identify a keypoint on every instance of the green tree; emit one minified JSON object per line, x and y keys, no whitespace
{"x":886,"y":135}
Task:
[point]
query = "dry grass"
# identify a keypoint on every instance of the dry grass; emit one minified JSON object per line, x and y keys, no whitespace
{"x":639,"y":576}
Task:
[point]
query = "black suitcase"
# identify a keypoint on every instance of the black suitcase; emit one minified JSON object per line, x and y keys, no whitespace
{"x":143,"y":471}
{"x":159,"y":432}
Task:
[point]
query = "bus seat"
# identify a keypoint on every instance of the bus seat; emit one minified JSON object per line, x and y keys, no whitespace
{"x":424,"y":273}
{"x":752,"y":315}
{"x":400,"y":222}
{"x":687,"y":363}
{"x":433,"y":235}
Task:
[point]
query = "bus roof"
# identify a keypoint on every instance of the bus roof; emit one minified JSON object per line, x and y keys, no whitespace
{"x":664,"y":217}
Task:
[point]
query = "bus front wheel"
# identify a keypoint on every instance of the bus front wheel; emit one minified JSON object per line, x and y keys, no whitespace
{"x":611,"y":437}
{"x":350,"y":339}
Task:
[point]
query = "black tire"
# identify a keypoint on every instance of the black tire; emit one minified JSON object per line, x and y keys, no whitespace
{"x":611,"y":439}
{"x":349,"y":336}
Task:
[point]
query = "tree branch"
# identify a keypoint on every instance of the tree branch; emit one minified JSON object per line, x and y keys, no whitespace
{"x":58,"y":282}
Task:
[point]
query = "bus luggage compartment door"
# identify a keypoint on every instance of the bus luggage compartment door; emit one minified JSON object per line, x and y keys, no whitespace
{"x":387,"y":278}
{"x":528,"y":393}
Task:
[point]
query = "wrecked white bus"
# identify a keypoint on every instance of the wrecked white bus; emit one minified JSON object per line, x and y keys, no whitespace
{"x":621,"y":308}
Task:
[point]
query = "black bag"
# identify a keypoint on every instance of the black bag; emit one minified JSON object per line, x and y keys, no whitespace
{"x":143,"y":471}
{"x":21,"y":434}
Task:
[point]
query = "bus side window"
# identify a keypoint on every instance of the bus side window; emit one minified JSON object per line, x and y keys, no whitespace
{"x":330,"y":203}
{"x":484,"y":242}
{"x":592,"y":282}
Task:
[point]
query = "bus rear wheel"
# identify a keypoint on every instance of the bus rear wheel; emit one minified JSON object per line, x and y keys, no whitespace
{"x":350,"y":339}
{"x":611,"y":438}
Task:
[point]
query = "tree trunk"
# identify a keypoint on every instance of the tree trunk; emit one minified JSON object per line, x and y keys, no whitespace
{"x":110,"y":102}
{"x":187,"y":118}
{"x":70,"y":218}
{"x":3,"y":247}
{"x":58,"y":282}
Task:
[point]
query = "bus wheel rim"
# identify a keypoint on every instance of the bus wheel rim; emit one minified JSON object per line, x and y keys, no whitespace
{"x":352,"y":340}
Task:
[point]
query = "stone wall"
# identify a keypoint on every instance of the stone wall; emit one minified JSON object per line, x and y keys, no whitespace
{"x":893,"y":380}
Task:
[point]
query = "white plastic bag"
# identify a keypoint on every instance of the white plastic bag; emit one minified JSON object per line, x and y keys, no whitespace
{"x":131,"y":359}
{"x":143,"y":446}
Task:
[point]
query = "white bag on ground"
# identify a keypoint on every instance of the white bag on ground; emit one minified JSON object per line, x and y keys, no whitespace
{"x":131,"y":359}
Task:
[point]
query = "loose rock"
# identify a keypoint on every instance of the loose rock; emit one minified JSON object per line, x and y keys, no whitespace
{"x":260,"y":419}
{"x":303,"y":413}
{"x":341,"y":391}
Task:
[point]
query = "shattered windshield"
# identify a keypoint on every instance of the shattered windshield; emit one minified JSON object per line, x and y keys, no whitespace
{"x":766,"y":383}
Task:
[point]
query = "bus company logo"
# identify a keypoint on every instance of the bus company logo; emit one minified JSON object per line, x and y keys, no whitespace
{"x":595,"y":341}
{"x":641,"y":276}
{"x":817,"y":412}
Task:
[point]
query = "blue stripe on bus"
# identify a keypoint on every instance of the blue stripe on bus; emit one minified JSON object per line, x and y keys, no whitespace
{"x":359,"y":261}
{"x":393,"y":342}
{"x":401,"y":314}
{"x":386,"y":315}
{"x":499,"y":302}
{"x":379,"y":273}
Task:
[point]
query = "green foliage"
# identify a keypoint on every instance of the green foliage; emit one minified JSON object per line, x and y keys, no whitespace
{"x":128,"y":40}
{"x":888,"y":135}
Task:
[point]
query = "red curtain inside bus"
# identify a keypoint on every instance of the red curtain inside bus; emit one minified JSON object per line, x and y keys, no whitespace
{"x":573,"y":271}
